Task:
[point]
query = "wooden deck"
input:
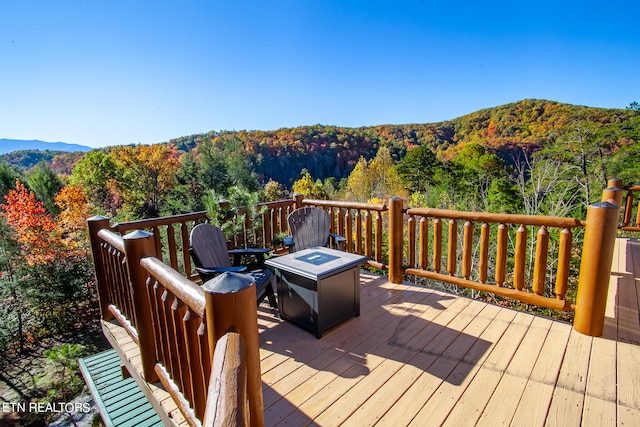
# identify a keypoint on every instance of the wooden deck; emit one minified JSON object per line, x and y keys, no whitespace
{"x":421,"y":357}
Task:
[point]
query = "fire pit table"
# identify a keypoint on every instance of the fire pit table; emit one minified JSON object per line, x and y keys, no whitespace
{"x":318,"y":288}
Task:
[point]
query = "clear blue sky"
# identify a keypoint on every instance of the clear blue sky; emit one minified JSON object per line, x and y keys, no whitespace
{"x":109,"y":72}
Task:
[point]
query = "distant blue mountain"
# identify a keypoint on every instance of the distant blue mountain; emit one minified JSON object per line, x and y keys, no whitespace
{"x":10,"y":145}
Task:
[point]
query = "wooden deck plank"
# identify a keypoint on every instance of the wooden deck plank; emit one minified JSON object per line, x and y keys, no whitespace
{"x":473,"y":400}
{"x":408,"y":338}
{"x":628,"y":380}
{"x":468,"y":323}
{"x":600,"y":395}
{"x":339,"y":343}
{"x":420,"y":390}
{"x":536,"y":397}
{"x":444,"y":397}
{"x":506,"y":397}
{"x":568,"y":396}
{"x":628,"y":320}
{"x":375,"y":352}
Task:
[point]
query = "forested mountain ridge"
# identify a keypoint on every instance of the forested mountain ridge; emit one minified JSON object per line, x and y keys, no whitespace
{"x":330,"y":151}
{"x":327,"y":151}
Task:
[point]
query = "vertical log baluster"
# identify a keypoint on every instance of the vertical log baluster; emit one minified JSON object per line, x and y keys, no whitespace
{"x":191,"y":323}
{"x":158,"y":241}
{"x":368,"y":234}
{"x":186,"y":259}
{"x":437,"y":245}
{"x":411,"y":231}
{"x":341,"y":222}
{"x":627,"y":209}
{"x":206,"y":360}
{"x":359,"y":231}
{"x":501,"y":254}
{"x":520,"y":258}
{"x":378,"y":236}
{"x":178,"y":315}
{"x":467,"y":249}
{"x":424,"y":243}
{"x":171,"y":242}
{"x":540,"y":262}
{"x":483,"y":266}
{"x":452,"y":248}
{"x":564,"y":259}
{"x":348,"y":231}
{"x":266,"y":229}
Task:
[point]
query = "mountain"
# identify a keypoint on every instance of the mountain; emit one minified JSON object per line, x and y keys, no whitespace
{"x":10,"y":145}
{"x":331,"y":151}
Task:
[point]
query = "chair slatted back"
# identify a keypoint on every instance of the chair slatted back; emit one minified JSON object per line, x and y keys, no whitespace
{"x":210,"y":246}
{"x":309,"y":226}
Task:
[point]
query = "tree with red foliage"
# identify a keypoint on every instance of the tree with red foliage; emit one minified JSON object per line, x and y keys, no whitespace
{"x":34,"y":227}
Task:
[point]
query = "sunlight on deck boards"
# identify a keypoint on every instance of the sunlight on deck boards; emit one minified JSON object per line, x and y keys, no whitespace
{"x":421,"y":357}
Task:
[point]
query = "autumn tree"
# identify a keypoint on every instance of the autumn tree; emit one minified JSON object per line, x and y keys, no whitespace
{"x":273,"y":191}
{"x":74,"y":212}
{"x":32,"y":224}
{"x":148,"y":175}
{"x":51,"y":277}
{"x":375,"y":179}
{"x":310,"y":188}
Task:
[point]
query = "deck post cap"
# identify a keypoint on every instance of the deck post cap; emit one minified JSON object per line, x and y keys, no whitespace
{"x":228,"y":283}
{"x":137,"y":234}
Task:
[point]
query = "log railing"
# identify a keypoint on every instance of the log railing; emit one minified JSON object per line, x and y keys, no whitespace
{"x":174,"y":230}
{"x":631,"y":216}
{"x":177,"y":323}
{"x":471,"y":249}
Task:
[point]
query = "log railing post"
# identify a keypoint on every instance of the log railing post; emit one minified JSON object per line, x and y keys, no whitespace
{"x":614,"y":192}
{"x":95,"y":224}
{"x":230,"y":305}
{"x":396,"y":222}
{"x":297,"y":200}
{"x":595,"y":268}
{"x":137,"y":245}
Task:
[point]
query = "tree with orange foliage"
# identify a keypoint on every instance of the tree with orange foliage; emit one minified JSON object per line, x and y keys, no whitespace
{"x":34,"y":228}
{"x":74,"y":209}
{"x":51,"y":281}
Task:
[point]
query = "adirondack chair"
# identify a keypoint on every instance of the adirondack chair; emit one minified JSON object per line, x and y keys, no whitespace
{"x":211,"y":258}
{"x":309,"y":227}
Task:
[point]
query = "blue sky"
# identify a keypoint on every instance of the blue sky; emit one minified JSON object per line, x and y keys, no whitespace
{"x":110,"y":72}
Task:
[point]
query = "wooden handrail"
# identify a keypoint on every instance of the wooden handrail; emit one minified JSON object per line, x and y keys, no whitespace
{"x":496,"y":218}
{"x":144,"y":224}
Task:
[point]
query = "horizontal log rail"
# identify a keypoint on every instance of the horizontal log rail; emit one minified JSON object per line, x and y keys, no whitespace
{"x":466,"y":246}
{"x":164,"y":229}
